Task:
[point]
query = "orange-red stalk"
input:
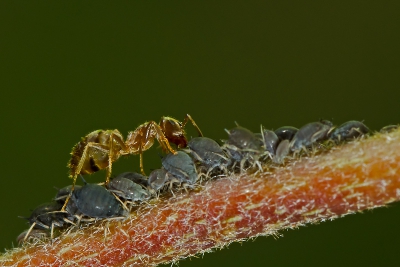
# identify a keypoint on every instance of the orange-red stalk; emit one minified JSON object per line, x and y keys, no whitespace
{"x":360,"y":175}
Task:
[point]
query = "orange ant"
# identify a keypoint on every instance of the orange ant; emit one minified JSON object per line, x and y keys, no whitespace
{"x":100,"y":148}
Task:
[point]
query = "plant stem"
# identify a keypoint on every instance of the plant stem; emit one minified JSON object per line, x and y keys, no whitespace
{"x":360,"y":175}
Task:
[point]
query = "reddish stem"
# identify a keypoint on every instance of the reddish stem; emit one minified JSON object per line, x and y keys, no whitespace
{"x":360,"y":175}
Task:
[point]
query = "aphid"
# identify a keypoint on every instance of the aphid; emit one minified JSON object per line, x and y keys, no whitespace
{"x":309,"y":134}
{"x":286,"y":132}
{"x":157,"y":179}
{"x":31,"y":234}
{"x":281,"y":151}
{"x":47,"y":216}
{"x":181,"y":167}
{"x":64,"y":192}
{"x":134,"y":177}
{"x":208,"y":153}
{"x":271,"y":141}
{"x":348,"y":131}
{"x":243,"y":146}
{"x":127,"y":189}
{"x":99,"y":149}
{"x":94,"y":201}
{"x":389,"y":128}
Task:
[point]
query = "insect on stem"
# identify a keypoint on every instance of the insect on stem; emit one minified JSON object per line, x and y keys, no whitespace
{"x":357,"y":176}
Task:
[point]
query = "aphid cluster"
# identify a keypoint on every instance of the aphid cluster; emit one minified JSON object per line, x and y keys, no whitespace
{"x":192,"y":161}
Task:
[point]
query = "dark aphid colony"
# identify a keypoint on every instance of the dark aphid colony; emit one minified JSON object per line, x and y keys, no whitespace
{"x":187,"y":164}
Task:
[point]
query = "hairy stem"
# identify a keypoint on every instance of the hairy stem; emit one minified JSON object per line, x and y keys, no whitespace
{"x":360,"y":175}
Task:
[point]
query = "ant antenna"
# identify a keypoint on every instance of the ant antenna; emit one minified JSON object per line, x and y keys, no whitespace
{"x":84,"y":181}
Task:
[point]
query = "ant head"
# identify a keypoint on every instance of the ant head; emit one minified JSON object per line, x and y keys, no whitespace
{"x":173,"y":131}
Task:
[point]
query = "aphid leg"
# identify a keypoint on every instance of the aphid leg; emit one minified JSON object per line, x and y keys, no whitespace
{"x":200,"y":176}
{"x":69,"y":221}
{"x":122,"y":203}
{"x":188,"y":117}
{"x":242,"y":162}
{"x":262,"y":135}
{"x":52,"y":232}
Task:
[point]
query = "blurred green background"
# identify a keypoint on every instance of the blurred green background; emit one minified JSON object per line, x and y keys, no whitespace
{"x":68,"y":68}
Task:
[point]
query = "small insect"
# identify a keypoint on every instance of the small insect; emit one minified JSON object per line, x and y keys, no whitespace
{"x":243,"y":146}
{"x":181,"y":167}
{"x":127,"y":189}
{"x":271,"y":141}
{"x":64,"y":192}
{"x":389,"y":128}
{"x":309,"y":134}
{"x":134,"y":177}
{"x":157,"y":179}
{"x":31,"y":234}
{"x":208,"y":153}
{"x":45,"y":217}
{"x":281,"y":151}
{"x":99,"y":149}
{"x":348,"y":131}
{"x":286,"y":132}
{"x":94,"y":201}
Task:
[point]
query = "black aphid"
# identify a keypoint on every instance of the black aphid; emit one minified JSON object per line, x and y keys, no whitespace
{"x":134,"y":177}
{"x":94,"y":201}
{"x":309,"y":134}
{"x":208,"y":153}
{"x":181,"y":167}
{"x":157,"y":179}
{"x":286,"y":132}
{"x":348,"y":131}
{"x":389,"y":128}
{"x":127,"y":189}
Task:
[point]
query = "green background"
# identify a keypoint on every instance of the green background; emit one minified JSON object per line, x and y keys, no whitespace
{"x":67,"y":68}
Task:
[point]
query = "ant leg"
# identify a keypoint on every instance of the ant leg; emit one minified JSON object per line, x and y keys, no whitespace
{"x":141,"y":163}
{"x":113,"y":137}
{"x":188,"y":117}
{"x":161,"y":137}
{"x":79,"y":169}
{"x":110,"y":156}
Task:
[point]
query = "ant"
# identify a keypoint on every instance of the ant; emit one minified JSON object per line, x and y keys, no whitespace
{"x":100,"y":148}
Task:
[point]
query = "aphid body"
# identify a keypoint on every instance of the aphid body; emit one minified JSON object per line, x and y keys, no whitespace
{"x":208,"y":153}
{"x":31,"y":234}
{"x":348,"y":131}
{"x":309,"y":134}
{"x":389,"y":128}
{"x":46,"y":215}
{"x":157,"y":179}
{"x":181,"y":167}
{"x":271,"y":141}
{"x":286,"y":132}
{"x":243,"y":146}
{"x":128,"y":189}
{"x":134,"y":177}
{"x":94,"y":201}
